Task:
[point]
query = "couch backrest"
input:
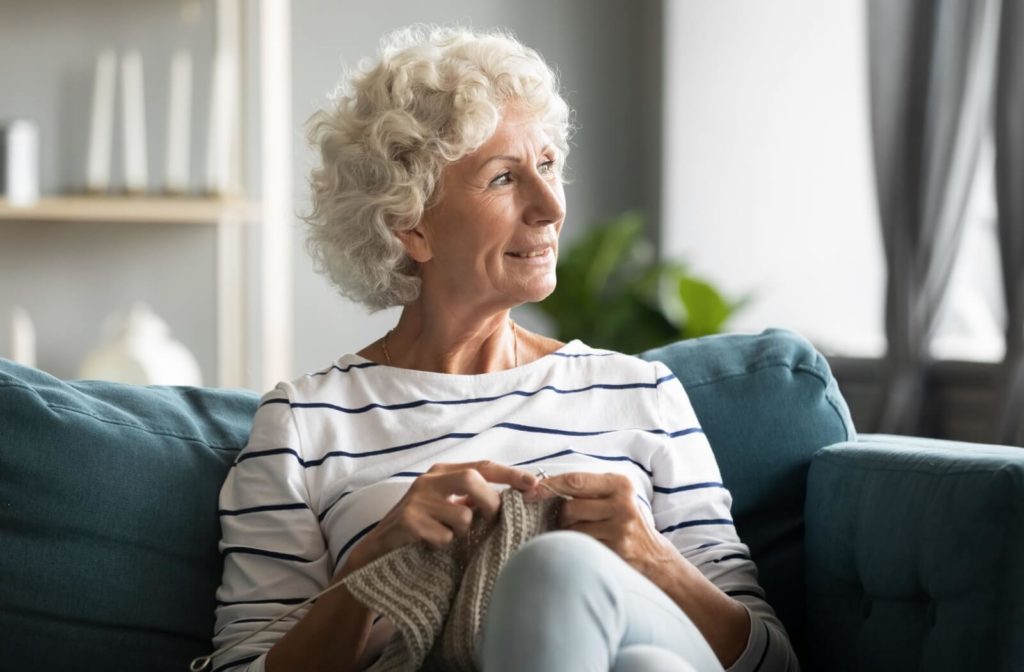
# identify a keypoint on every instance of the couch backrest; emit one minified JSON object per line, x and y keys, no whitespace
{"x":108,"y":496}
{"x":108,"y":520}
{"x":767,"y":403}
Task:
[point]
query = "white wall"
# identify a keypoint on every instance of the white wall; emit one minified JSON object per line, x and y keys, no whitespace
{"x":768,"y":179}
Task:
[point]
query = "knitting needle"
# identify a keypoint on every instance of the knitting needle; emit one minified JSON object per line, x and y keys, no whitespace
{"x":541,"y":475}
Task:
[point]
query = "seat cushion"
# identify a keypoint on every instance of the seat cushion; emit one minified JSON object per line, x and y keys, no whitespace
{"x":916,"y":556}
{"x":767,"y":403}
{"x":108,"y":520}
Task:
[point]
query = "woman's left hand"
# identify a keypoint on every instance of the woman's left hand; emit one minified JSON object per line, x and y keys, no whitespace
{"x":604,"y":507}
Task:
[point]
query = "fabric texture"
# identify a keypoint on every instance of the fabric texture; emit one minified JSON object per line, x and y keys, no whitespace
{"x":108,"y":524}
{"x":437,"y":600}
{"x":891,"y":582}
{"x":332,"y":452}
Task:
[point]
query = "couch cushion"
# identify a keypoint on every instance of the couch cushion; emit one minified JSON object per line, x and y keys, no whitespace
{"x":767,"y":403}
{"x":108,"y":520}
{"x":916,"y":556}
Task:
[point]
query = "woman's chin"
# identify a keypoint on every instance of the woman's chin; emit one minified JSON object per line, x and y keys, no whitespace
{"x":537,"y":293}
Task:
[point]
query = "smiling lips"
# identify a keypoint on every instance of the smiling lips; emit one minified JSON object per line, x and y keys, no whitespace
{"x":532,"y":254}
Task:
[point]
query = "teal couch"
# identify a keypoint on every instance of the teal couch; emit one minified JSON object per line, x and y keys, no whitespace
{"x":879,"y":553}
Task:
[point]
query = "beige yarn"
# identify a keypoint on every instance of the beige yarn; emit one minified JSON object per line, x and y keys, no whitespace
{"x":437,"y":600}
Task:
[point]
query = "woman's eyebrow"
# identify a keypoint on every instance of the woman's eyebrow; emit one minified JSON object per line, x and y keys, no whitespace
{"x":509,"y":157}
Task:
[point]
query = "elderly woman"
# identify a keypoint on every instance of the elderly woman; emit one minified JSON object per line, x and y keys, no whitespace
{"x":440,"y":191}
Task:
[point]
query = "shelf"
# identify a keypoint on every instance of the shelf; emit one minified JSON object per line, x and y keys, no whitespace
{"x":140,"y":210}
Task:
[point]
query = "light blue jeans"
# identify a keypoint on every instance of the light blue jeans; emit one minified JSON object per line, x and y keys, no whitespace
{"x":566,"y":603}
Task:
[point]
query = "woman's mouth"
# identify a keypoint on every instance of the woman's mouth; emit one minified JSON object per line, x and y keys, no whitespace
{"x":540,"y":253}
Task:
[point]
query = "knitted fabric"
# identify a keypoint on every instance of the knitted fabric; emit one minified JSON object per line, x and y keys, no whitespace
{"x":437,"y":600}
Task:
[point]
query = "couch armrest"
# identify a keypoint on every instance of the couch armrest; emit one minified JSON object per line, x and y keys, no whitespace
{"x":915,"y":555}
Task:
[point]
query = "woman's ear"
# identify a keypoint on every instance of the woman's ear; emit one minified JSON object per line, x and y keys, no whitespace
{"x":416,"y":244}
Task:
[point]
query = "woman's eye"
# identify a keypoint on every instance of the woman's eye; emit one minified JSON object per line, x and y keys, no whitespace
{"x":503,"y":179}
{"x":547,"y":166}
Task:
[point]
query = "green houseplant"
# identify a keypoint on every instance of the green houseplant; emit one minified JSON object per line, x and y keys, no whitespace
{"x":613,"y":292}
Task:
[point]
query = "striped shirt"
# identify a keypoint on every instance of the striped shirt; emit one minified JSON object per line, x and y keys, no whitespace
{"x":332,"y":452}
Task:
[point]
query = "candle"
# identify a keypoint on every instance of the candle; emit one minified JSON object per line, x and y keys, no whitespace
{"x":179,"y":123}
{"x":102,"y":126}
{"x":134,"y":123}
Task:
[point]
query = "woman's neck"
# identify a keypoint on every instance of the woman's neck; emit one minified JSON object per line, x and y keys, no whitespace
{"x":448,"y":342}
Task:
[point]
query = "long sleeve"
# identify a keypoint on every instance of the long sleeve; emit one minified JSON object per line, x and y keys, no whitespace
{"x":274,"y":552}
{"x":692,"y":508}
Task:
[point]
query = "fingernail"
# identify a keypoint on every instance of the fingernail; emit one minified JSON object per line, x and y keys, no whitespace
{"x":529,"y":479}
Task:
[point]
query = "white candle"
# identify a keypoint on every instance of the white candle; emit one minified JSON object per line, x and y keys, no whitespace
{"x":23,"y":338}
{"x":179,"y":123}
{"x":22,"y":162}
{"x":134,"y":123}
{"x":221,"y":149}
{"x":102,"y":125}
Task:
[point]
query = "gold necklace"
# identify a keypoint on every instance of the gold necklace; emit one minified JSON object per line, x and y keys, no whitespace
{"x":515,"y":345}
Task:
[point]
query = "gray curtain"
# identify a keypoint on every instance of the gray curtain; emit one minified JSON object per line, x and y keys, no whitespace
{"x":932,"y":65}
{"x":1010,"y":197}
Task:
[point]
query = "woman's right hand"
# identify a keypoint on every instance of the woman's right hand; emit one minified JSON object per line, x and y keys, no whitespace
{"x":438,"y":507}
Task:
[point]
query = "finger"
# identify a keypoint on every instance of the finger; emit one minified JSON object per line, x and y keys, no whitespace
{"x":583,"y":484}
{"x":456,"y":517}
{"x":435,"y":534}
{"x":586,"y":510}
{"x":603,"y":531}
{"x":493,"y":473}
{"x":471,"y":484}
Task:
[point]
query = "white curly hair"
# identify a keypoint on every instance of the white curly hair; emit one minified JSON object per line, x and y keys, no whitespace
{"x":434,"y":95}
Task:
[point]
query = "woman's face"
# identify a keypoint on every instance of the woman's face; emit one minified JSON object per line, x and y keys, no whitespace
{"x":492,"y":240}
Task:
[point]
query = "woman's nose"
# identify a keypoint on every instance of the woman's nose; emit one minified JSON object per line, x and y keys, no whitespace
{"x":545,"y":204}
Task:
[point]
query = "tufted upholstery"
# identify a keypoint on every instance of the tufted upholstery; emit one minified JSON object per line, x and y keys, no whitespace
{"x":915,"y":556}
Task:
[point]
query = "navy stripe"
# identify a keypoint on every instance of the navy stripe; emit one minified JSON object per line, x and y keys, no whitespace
{"x":323,"y":514}
{"x":245,"y":550}
{"x":584,"y":354}
{"x":335,"y":367}
{"x":568,"y":432}
{"x":281,"y":600}
{"x":260,"y":509}
{"x":472,"y":400}
{"x":282,"y":400}
{"x":385,"y":451}
{"x":610,"y":458}
{"x":744,"y":593}
{"x":645,"y":502}
{"x":684,"y":488}
{"x":353,"y":540}
{"x":685,"y":432}
{"x":734,"y":556}
{"x":767,"y":643}
{"x":708,"y":545}
{"x":695,"y":523}
{"x":267,"y":453}
{"x":240,"y":661}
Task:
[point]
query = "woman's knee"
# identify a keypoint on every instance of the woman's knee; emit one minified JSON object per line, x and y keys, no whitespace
{"x":648,"y":658}
{"x":558,"y":558}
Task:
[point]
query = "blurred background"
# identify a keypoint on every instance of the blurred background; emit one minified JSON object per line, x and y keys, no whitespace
{"x":825,"y":167}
